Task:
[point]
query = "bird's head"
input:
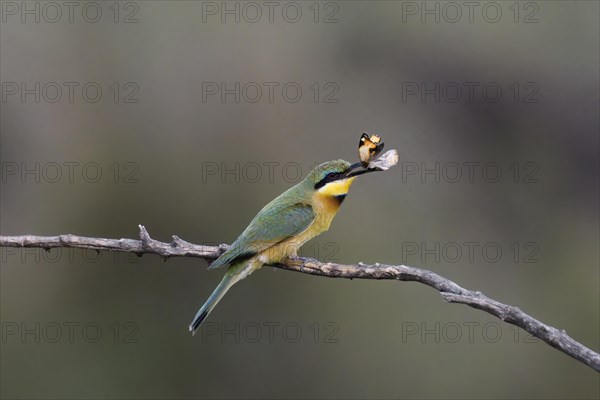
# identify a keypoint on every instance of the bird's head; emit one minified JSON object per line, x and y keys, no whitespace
{"x":333,"y":178}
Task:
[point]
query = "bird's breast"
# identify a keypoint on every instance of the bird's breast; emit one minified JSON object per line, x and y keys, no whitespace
{"x":324,"y":207}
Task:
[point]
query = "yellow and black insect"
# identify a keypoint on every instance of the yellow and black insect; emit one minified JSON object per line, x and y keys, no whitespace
{"x":368,"y":148}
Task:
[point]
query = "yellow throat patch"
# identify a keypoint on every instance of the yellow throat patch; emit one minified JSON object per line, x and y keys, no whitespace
{"x":336,"y":188}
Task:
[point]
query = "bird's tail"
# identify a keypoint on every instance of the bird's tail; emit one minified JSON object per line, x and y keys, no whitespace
{"x":230,"y":278}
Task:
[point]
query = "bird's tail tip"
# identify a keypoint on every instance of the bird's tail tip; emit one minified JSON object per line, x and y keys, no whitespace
{"x":198,"y":321}
{"x":228,"y":280}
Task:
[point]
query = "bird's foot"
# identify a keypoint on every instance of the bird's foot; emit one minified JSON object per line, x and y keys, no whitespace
{"x":295,"y":259}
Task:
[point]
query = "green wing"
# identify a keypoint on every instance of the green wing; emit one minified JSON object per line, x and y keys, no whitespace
{"x":274,"y":223}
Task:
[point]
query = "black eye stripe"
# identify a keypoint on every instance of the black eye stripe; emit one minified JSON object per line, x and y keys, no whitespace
{"x":329,"y":178}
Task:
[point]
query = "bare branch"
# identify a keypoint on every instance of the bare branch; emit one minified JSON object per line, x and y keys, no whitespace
{"x":449,"y":290}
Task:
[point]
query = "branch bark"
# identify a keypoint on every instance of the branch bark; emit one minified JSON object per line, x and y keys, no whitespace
{"x":449,"y":290}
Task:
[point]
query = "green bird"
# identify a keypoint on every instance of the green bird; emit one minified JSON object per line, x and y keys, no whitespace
{"x":282,"y":226}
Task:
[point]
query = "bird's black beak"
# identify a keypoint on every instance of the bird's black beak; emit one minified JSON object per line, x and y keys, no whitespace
{"x":350,"y":171}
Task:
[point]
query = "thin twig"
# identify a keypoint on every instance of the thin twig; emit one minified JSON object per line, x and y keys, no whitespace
{"x":449,"y":290}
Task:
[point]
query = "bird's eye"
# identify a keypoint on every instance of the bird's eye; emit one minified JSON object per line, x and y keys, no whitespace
{"x":331,"y":175}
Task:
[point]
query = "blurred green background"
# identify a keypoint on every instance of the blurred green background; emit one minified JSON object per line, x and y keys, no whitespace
{"x":181,"y":159}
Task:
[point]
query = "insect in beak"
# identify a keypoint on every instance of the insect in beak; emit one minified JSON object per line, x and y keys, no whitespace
{"x":369,"y":147}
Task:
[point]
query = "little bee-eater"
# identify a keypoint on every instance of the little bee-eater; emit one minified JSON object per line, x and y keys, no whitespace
{"x":282,"y":226}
